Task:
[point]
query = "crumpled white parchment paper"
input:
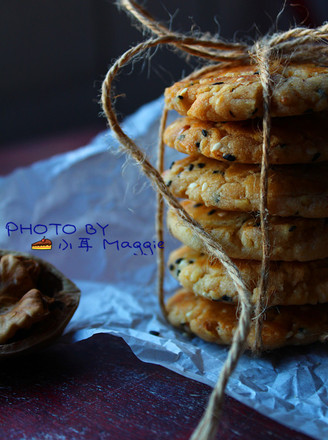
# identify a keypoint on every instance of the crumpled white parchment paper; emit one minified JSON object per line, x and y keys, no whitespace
{"x":81,"y":198}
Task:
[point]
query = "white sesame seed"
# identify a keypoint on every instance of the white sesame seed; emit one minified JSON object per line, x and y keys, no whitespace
{"x":216,"y":147}
{"x":183,"y":264}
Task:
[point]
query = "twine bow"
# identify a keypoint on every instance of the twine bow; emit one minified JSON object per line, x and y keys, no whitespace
{"x":298,"y":45}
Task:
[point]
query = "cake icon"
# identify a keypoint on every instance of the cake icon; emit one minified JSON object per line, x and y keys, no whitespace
{"x":45,"y":243}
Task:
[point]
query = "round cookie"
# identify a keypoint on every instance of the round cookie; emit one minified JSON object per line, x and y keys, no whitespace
{"x":216,"y":322}
{"x":290,"y":283}
{"x":239,"y":234}
{"x":300,"y":190}
{"x":235,"y":94}
{"x":302,"y":139}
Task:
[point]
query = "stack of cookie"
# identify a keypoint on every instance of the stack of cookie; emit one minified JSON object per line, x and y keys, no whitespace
{"x":221,"y":132}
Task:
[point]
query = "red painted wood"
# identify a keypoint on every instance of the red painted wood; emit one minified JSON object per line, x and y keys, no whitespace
{"x":98,"y":389}
{"x":20,"y":154}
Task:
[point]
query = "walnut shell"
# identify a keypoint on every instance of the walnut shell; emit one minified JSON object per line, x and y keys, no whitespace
{"x":59,"y":296}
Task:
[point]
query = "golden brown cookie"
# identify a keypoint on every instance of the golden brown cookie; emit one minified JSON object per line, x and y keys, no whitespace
{"x":302,"y":139}
{"x":300,"y":190}
{"x":290,"y":283}
{"x":239,"y":234}
{"x":216,"y":322}
{"x":234,"y":94}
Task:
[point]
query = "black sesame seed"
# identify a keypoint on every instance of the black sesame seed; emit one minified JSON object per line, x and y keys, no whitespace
{"x":178,"y":261}
{"x":218,"y":198}
{"x":169,"y":183}
{"x":202,"y":254}
{"x":191,"y":166}
{"x":204,"y":132}
{"x":172,"y":164}
{"x":154,"y":332}
{"x":180,"y":96}
{"x":226,"y":298}
{"x":197,"y":144}
{"x":218,"y":172}
{"x":316,"y":157}
{"x":171,"y":266}
{"x":232,"y":114}
{"x":229,"y":157}
{"x":292,"y":228}
{"x":217,"y":83}
{"x":234,"y":88}
{"x":197,"y":205}
{"x":178,"y":272}
{"x":201,"y":165}
{"x":256,"y":73}
{"x":191,"y":261}
{"x":211,"y":212}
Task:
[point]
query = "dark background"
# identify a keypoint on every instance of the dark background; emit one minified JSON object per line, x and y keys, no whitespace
{"x":55,"y":53}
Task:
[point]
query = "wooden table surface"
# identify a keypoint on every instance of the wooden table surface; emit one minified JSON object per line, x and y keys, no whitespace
{"x":97,"y":388}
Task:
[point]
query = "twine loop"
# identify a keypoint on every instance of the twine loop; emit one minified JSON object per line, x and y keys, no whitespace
{"x":296,"y":45}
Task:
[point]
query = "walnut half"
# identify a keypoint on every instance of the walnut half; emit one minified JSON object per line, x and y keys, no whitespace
{"x":36,"y":303}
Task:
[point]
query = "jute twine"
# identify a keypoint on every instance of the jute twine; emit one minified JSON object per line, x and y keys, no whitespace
{"x":297,"y":45}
